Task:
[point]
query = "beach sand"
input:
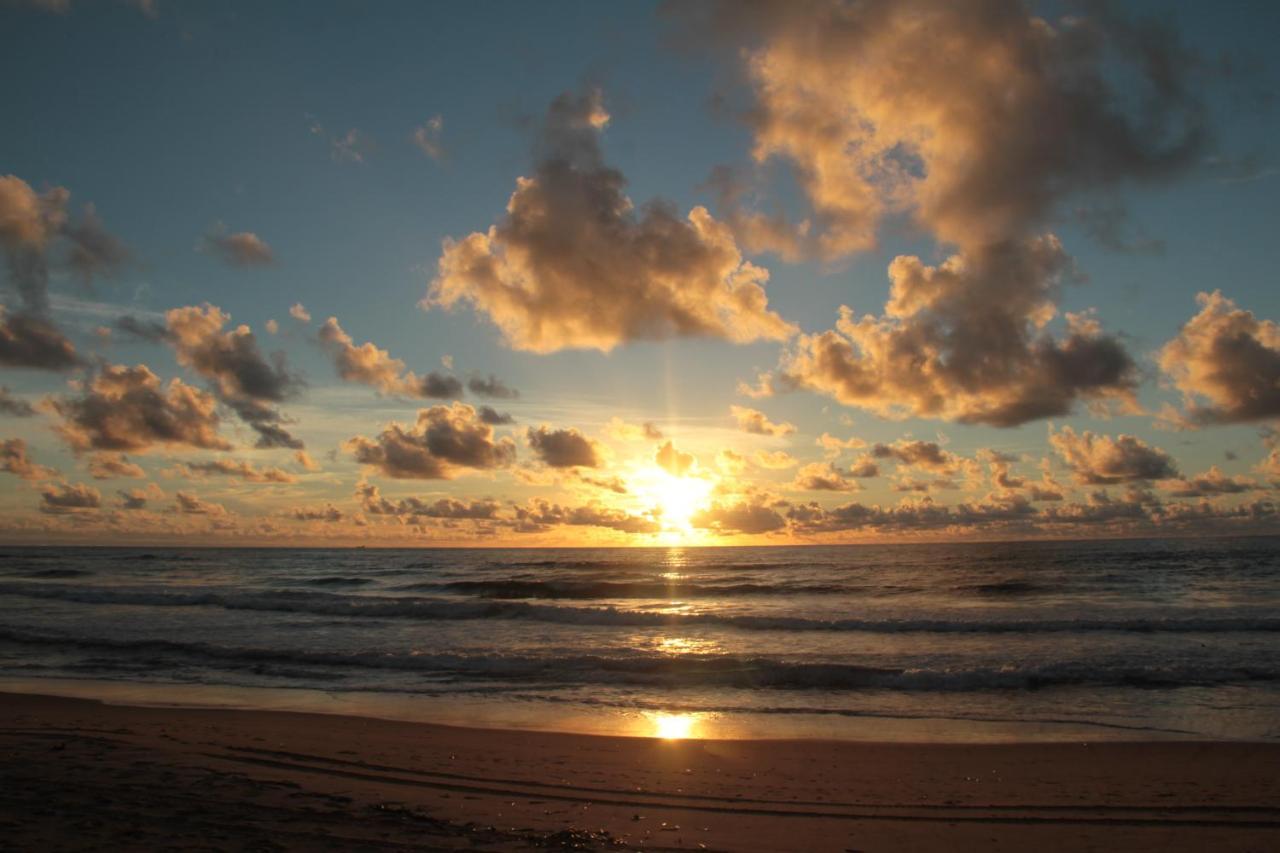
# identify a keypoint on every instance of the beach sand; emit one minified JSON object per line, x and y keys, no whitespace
{"x":77,"y":774}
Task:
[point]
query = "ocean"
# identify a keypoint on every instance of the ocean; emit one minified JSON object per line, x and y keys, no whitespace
{"x":967,"y":642}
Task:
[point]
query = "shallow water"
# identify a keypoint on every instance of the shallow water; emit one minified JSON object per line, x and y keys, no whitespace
{"x":1160,"y":638}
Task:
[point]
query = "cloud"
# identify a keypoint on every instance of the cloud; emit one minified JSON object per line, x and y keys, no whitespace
{"x":299,"y":313}
{"x":926,"y":455}
{"x":412,"y":508}
{"x":427,"y":137}
{"x":1227,"y":357}
{"x":823,"y":476}
{"x":328,"y":512}
{"x":540,"y":515}
{"x":14,"y":460}
{"x":136,"y":499}
{"x":881,"y":109}
{"x":573,"y":264}
{"x":493,"y":417}
{"x":492,"y":387}
{"x":37,"y":234}
{"x":747,"y":516}
{"x":125,"y":408}
{"x":921,"y":514}
{"x":776,"y":460}
{"x":1207,"y":484}
{"x":30,"y":341}
{"x":564,"y":448}
{"x":241,"y":376}
{"x":967,"y":341}
{"x":443,"y":441}
{"x":372,"y":366}
{"x":189,"y":503}
{"x":755,"y":422}
{"x":1102,"y":460}
{"x":242,"y":470}
{"x":304,"y":459}
{"x":14,"y":407}
{"x":620,"y":430}
{"x":67,"y":498}
{"x":241,"y":249}
{"x":109,"y":466}
{"x":834,"y":446}
{"x":675,"y":462}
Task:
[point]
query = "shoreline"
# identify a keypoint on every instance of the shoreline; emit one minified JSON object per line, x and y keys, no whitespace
{"x":535,"y":717}
{"x":78,"y":774}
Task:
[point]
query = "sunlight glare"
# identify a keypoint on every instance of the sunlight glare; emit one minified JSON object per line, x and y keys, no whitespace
{"x":673,"y":726}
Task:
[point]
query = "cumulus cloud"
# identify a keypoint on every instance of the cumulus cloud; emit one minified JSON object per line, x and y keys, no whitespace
{"x":241,"y":249}
{"x":327,"y":513}
{"x":298,"y":312}
{"x":756,"y":423}
{"x":136,"y":499}
{"x":834,"y":446}
{"x":65,"y":498}
{"x":881,"y":109}
{"x":124,"y":408}
{"x":564,"y":448}
{"x":1207,"y":484}
{"x":189,"y":503}
{"x":241,"y":469}
{"x":909,"y":515}
{"x":573,"y":264}
{"x":110,"y":466}
{"x":926,"y":455}
{"x":372,"y":366}
{"x":14,"y":460}
{"x":675,"y":462}
{"x":967,"y":340}
{"x":540,"y":515}
{"x":14,"y":407}
{"x":1228,"y":358}
{"x":242,"y":377}
{"x":823,"y":477}
{"x":747,"y":516}
{"x":1103,"y":460}
{"x":412,"y":508}
{"x":444,"y":441}
{"x":37,"y":234}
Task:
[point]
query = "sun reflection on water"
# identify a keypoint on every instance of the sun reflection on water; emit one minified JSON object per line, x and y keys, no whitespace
{"x":675,"y":726}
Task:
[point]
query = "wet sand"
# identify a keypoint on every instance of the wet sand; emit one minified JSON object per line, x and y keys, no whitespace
{"x":79,"y":775}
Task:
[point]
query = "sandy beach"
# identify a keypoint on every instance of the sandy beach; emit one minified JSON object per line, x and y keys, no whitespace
{"x":77,"y":775}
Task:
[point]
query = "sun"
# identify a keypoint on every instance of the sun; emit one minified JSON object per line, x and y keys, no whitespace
{"x":673,"y":726}
{"x":678,"y":498}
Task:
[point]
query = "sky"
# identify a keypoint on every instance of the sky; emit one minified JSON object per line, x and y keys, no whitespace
{"x":502,"y":274}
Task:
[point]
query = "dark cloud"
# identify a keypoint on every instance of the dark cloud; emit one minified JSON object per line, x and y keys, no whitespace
{"x":14,"y":407}
{"x":1207,"y":484}
{"x":31,"y":341}
{"x":493,"y":417}
{"x":823,"y":477}
{"x":445,"y":440}
{"x":492,"y":387}
{"x":564,"y":448}
{"x":241,"y":376}
{"x":573,"y":264}
{"x":125,"y":408}
{"x":188,"y":503}
{"x":328,"y":512}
